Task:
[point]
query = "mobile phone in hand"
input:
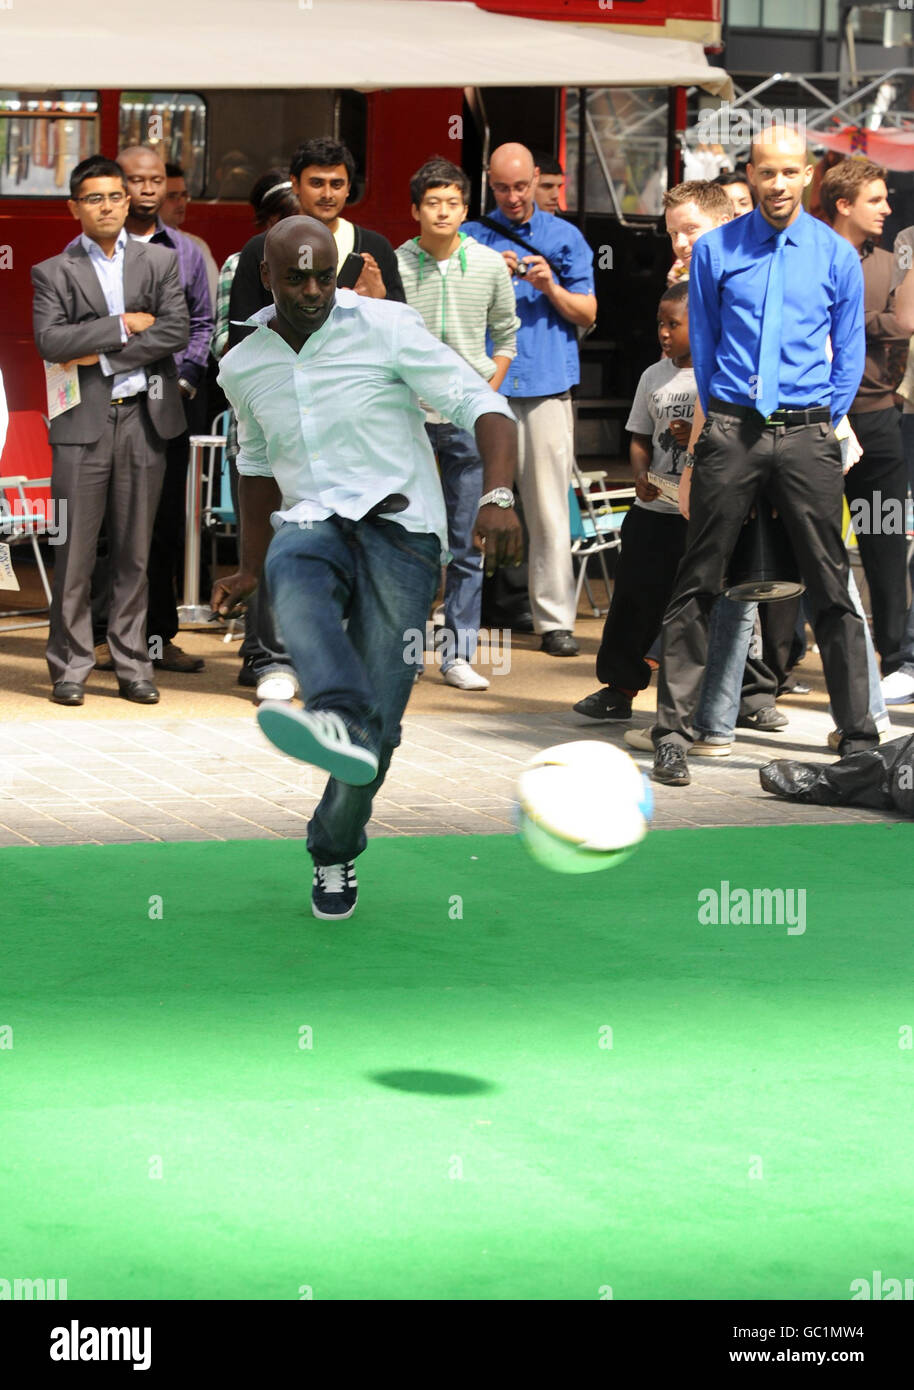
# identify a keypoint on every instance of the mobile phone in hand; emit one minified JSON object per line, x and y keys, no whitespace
{"x":349,"y":271}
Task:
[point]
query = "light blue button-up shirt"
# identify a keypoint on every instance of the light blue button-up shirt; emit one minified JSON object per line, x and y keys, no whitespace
{"x":339,"y":425}
{"x":111,"y":278}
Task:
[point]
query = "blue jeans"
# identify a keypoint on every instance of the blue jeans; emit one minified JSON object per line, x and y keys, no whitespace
{"x":729,"y":636}
{"x":461,"y":482}
{"x":383,"y":579}
{"x":262,"y":649}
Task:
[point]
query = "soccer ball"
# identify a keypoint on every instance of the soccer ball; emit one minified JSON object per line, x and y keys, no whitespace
{"x":583,"y":806}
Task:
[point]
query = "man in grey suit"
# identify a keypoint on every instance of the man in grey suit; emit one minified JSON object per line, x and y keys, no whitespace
{"x":115,"y":308}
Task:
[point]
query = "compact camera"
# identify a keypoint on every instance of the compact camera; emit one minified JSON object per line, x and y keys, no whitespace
{"x":522,"y":268}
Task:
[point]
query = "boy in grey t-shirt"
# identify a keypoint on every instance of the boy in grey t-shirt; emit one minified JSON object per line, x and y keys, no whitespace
{"x":653,"y":533}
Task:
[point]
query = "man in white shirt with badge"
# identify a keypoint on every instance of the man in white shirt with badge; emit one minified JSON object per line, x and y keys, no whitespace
{"x":333,"y":455}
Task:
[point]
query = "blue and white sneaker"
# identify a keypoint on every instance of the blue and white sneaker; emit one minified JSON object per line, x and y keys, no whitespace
{"x":334,"y":892}
{"x":318,"y":737}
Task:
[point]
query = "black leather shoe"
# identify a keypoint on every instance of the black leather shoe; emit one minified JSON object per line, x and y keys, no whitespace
{"x":671,"y":765}
{"x":68,"y":693}
{"x":559,"y":642}
{"x":140,"y":692}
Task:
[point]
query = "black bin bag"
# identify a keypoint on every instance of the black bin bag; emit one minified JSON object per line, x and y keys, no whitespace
{"x":881,"y":778}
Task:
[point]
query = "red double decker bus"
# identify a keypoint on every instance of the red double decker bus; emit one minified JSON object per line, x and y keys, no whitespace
{"x":602,"y":85}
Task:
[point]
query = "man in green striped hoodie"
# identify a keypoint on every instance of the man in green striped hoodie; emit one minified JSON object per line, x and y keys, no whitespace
{"x":463,"y":291}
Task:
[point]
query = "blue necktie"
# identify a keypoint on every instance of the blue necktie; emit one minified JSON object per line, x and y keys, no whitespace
{"x":769,"y":357}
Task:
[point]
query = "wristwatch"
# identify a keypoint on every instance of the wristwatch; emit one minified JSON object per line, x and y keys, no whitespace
{"x":688,"y":460}
{"x":501,"y":496}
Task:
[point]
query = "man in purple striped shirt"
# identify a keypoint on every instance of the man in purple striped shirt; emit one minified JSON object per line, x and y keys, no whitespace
{"x":147,"y":186}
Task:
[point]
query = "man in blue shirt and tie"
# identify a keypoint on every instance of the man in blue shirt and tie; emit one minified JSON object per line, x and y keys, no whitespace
{"x":767,"y":292}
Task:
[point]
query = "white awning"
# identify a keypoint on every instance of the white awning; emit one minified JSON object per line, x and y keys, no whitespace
{"x":189,"y":45}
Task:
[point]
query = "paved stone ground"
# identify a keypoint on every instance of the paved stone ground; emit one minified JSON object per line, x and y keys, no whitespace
{"x":104,"y":782}
{"x":196,"y":767}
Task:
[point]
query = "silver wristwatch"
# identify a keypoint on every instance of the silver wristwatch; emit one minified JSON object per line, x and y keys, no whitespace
{"x":501,"y":496}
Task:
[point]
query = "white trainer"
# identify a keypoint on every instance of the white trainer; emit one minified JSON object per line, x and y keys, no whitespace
{"x":277,"y":686}
{"x":461,"y":674}
{"x":318,"y":737}
{"x":898,"y":688}
{"x":712,"y":746}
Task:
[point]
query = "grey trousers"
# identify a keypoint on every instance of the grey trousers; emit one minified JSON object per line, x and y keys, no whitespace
{"x":120,"y":477}
{"x":545,"y":451}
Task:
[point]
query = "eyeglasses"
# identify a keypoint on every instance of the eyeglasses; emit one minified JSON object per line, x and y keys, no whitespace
{"x":503,"y":189}
{"x":96,"y":199}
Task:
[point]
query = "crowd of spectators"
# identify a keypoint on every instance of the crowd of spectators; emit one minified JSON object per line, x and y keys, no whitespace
{"x":511,"y":292}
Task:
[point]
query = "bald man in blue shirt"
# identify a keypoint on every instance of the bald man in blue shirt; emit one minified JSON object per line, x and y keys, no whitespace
{"x":554,"y":298}
{"x":767,"y":293}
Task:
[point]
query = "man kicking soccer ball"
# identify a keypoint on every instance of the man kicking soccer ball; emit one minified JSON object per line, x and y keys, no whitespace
{"x":332,"y":447}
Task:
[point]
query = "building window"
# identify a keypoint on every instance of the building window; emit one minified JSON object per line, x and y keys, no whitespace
{"x":797,"y":15}
{"x":224,"y":139}
{"x":792,"y":14}
{"x":744,"y":14}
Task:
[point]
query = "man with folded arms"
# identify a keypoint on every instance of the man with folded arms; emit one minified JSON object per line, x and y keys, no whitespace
{"x":333,"y":452}
{"x":114,"y":308}
{"x":766,"y":292}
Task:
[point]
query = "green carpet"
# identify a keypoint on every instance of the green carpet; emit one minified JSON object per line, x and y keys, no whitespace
{"x":456,"y":1130}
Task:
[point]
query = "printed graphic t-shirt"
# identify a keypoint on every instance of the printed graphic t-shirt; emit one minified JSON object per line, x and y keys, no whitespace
{"x":664,"y":393}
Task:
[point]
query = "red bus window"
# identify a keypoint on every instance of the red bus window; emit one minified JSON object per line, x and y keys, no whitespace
{"x":43,"y":136}
{"x":173,"y":124}
{"x":251,"y":132}
{"x":625,"y":150}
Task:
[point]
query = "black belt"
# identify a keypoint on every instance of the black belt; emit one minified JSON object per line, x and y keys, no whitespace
{"x":393,"y":502}
{"x":127,"y":400}
{"x":813,"y":415}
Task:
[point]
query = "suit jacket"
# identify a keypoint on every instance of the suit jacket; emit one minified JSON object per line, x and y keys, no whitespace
{"x":70,"y":319}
